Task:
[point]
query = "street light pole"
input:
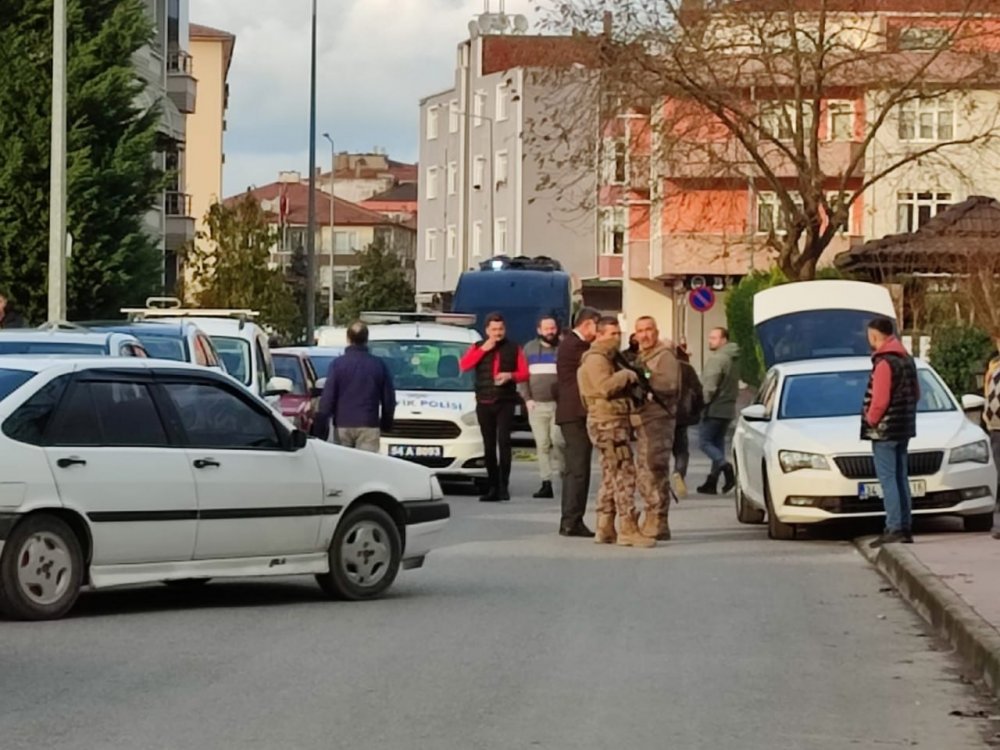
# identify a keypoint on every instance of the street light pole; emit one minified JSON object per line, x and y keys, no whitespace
{"x":311,"y":233}
{"x":333,"y":234}
{"x":57,"y":169}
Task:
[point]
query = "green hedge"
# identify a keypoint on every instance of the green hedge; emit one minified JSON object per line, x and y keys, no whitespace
{"x":960,"y":352}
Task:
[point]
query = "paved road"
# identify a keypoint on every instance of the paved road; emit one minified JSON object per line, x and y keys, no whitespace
{"x":511,"y":637}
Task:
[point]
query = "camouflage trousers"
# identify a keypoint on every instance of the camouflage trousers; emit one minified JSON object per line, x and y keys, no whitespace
{"x":653,"y":447}
{"x":617,"y":491}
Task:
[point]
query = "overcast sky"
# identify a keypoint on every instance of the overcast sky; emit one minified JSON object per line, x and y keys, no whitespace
{"x":376,"y":60}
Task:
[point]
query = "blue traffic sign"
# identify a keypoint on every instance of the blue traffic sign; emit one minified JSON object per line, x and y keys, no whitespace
{"x":701,"y":299}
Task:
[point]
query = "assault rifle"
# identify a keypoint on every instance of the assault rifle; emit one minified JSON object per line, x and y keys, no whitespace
{"x":640,"y":391}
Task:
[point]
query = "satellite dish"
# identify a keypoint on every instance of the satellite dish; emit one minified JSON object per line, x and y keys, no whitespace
{"x":520,"y":24}
{"x":485,"y":23}
{"x":473,"y":29}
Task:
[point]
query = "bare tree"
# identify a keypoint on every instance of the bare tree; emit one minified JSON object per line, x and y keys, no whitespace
{"x":746,"y":92}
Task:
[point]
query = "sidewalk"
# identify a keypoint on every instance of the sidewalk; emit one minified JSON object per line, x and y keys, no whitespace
{"x":952,"y":580}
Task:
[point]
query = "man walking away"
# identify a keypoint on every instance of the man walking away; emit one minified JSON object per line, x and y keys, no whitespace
{"x":571,"y":416}
{"x":358,"y":395}
{"x":604,"y":391}
{"x":889,"y":420}
{"x":691,"y":403}
{"x":539,"y":394}
{"x":499,"y":366}
{"x":655,"y":421}
{"x":9,"y":317}
{"x":721,"y":387}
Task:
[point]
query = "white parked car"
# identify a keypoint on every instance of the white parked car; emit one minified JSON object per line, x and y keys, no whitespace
{"x":73,"y":342}
{"x":798,"y":450}
{"x":135,"y":471}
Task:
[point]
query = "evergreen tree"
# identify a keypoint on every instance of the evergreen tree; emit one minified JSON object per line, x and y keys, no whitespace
{"x":111,"y":177}
{"x":379,"y":283}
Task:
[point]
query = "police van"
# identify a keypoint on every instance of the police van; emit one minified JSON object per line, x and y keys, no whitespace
{"x":435,"y":424}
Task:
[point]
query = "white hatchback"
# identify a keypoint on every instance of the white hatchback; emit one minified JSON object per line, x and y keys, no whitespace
{"x":116,"y":472}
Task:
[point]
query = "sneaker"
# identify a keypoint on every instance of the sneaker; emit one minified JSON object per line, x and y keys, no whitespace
{"x":680,"y":486}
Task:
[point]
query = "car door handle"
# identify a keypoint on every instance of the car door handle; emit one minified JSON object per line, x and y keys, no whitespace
{"x":65,"y":463}
{"x":204,"y":463}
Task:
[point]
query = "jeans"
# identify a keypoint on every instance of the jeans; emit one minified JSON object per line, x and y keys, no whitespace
{"x":712,"y":438}
{"x":362,"y":438}
{"x":495,"y":421}
{"x":575,"y":473}
{"x":548,"y":438}
{"x":892,"y":469}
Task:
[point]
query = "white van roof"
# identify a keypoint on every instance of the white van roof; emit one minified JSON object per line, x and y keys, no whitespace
{"x":824,"y":294}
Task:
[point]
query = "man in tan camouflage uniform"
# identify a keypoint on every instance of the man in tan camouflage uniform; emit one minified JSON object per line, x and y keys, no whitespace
{"x":654,"y":422}
{"x":603,"y":390}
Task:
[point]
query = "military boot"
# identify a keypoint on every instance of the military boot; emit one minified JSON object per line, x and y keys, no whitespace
{"x":656,"y":526}
{"x":630,"y":536}
{"x":606,"y":533}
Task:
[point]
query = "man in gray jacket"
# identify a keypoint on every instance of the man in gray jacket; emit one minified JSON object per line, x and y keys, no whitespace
{"x":721,"y":382}
{"x":539,"y":394}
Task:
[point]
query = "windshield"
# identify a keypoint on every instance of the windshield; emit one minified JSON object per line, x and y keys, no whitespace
{"x":841,"y":394}
{"x":814,"y":334}
{"x":161,"y":347}
{"x":288,"y":366}
{"x":11,"y":380}
{"x":235,"y":355}
{"x":424,"y":365}
{"x":321,"y":362}
{"x":50,"y":347}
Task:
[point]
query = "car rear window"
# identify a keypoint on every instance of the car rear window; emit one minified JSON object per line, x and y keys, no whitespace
{"x":161,"y":347}
{"x":50,"y":347}
{"x":11,"y":380}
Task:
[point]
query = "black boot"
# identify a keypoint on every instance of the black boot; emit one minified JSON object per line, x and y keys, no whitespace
{"x":729,"y":478}
{"x":711,"y":485}
{"x":504,"y":495}
{"x":545,"y":491}
{"x":492,"y":495}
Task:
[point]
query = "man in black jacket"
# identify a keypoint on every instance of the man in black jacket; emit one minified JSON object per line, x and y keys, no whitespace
{"x":571,"y":416}
{"x":9,"y":317}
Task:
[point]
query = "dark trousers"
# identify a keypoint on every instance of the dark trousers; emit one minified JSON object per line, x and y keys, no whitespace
{"x":495,"y":421}
{"x":682,"y":451}
{"x":575,"y":472}
{"x":712,"y":436}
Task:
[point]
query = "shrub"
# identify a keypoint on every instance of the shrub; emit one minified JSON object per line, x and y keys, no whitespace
{"x":958,"y":353}
{"x":739,"y":317}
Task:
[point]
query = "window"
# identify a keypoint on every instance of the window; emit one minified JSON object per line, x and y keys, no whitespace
{"x":289,"y":366}
{"x":452,"y":177}
{"x":614,"y":223}
{"x":478,"y":172}
{"x":615,"y":162}
{"x":29,"y":423}
{"x":916,"y":209}
{"x":916,"y":38}
{"x":843,"y":391}
{"x":235,"y":354}
{"x":345,"y":242}
{"x":478,"y":107}
{"x":432,"y":123}
{"x":212,"y":417}
{"x":770,"y":216}
{"x":451,"y":241}
{"x":107,"y":414}
{"x":500,"y":168}
{"x":477,"y":238}
{"x":927,"y":120}
{"x":424,"y":365}
{"x":453,"y":116}
{"x":780,"y":119}
{"x":161,"y":347}
{"x":51,"y":347}
{"x":432,"y":183}
{"x":502,"y":102}
{"x":765,"y":394}
{"x":500,"y":237}
{"x":430,"y":244}
{"x":840,"y":124}
{"x":11,"y":380}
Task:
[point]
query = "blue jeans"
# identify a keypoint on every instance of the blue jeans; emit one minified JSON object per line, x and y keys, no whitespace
{"x":892,"y":469}
{"x":712,"y":439}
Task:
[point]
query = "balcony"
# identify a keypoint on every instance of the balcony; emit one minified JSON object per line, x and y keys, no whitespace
{"x":609,"y":266}
{"x":182,"y":88}
{"x":178,"y":219}
{"x":728,"y":160}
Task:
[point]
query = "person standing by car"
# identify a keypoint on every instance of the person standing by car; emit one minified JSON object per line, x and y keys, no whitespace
{"x":655,"y":421}
{"x":604,"y":389}
{"x":499,"y":365}
{"x":359,"y":396}
{"x":991,"y":414}
{"x":571,"y":416}
{"x":9,"y":317}
{"x":690,"y":404}
{"x":889,"y":420}
{"x":539,"y":394}
{"x":721,"y":382}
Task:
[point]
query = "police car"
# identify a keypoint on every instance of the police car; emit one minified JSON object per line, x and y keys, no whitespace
{"x":435,"y":423}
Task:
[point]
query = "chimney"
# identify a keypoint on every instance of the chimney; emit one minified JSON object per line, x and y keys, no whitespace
{"x":608,"y":23}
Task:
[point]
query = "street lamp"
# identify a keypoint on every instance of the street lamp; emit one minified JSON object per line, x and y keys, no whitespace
{"x":333,"y":235}
{"x":311,"y":233}
{"x":57,"y":169}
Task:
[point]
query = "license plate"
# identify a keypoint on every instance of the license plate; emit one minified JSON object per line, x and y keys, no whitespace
{"x":873,"y":490}
{"x":416,"y":451}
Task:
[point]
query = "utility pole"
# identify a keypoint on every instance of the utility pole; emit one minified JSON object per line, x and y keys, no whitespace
{"x":57,"y":168}
{"x":311,"y":233}
{"x":333,"y":234}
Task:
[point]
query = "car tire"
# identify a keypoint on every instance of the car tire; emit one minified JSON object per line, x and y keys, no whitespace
{"x":980,"y":522}
{"x":365,"y":555}
{"x":775,"y":528}
{"x":187,"y":583}
{"x":41,"y":569}
{"x":745,"y":513}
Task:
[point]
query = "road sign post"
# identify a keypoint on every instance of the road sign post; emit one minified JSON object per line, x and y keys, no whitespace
{"x":701,"y":301}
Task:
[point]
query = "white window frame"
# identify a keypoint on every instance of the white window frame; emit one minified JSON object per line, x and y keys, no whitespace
{"x":614,"y":223}
{"x":934,"y":110}
{"x":500,"y":248}
{"x":769,"y":199}
{"x":835,"y":108}
{"x":453,"y":116}
{"x":935,"y":201}
{"x":452,"y":179}
{"x":774,"y":115}
{"x":430,"y":245}
{"x":432,"y":122}
{"x":478,"y":107}
{"x":350,"y":242}
{"x":501,"y":167}
{"x":502,"y":103}
{"x":477,"y":238}
{"x":432,"y":183}
{"x":478,"y":171}
{"x":451,"y":241}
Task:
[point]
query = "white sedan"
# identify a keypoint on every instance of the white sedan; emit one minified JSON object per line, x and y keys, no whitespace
{"x":126,"y":471}
{"x":800,"y":459}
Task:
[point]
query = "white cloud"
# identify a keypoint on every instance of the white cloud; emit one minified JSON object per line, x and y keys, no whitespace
{"x":376,"y":59}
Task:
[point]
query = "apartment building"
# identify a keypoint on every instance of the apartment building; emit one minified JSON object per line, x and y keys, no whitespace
{"x":359,"y":177}
{"x":484,"y":189}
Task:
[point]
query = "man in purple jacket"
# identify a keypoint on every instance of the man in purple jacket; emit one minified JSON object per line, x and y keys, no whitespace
{"x":358,"y":396}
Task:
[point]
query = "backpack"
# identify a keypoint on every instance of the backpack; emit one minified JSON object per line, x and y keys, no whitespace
{"x":691,"y":403}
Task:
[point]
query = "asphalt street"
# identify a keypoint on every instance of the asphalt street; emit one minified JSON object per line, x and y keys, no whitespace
{"x":510,"y":637}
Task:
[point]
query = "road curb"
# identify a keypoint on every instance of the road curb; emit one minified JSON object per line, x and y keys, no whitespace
{"x":975,"y":641}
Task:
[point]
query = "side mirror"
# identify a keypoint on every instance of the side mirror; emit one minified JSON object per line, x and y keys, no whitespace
{"x":278,"y":386}
{"x":971,"y":402}
{"x":317,"y":390}
{"x":299,"y":440}
{"x":755,"y":413}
